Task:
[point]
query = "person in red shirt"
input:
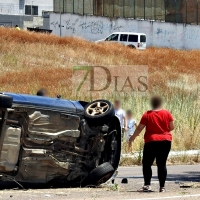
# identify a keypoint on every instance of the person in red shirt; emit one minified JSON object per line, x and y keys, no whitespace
{"x":159,"y":124}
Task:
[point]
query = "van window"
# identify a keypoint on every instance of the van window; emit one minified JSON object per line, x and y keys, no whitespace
{"x":113,"y":37}
{"x":142,"y":38}
{"x":124,"y":37}
{"x":133,"y":38}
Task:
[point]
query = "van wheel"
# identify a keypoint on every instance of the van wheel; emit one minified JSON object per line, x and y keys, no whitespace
{"x":131,"y":46}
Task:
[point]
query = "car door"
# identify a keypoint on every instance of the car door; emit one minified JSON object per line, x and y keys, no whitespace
{"x":142,"y":42}
{"x":113,"y":38}
{"x":123,"y":39}
{"x":133,"y":40}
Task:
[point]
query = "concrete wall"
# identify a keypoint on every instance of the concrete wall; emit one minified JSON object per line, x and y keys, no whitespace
{"x":158,"y":33}
{"x":12,"y":20}
{"x":17,"y":7}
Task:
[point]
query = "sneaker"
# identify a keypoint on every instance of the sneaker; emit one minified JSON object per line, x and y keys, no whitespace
{"x":145,"y":188}
{"x":162,"y":189}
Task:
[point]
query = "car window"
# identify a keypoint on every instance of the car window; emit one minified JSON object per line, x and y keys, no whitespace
{"x":133,"y":38}
{"x":142,"y":38}
{"x":113,"y":37}
{"x":124,"y":37}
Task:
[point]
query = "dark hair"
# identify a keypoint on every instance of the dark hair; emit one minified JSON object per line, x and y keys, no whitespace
{"x":117,"y":101}
{"x":42,"y":92}
{"x":129,"y":112}
{"x":156,"y":102}
{"x":16,"y":26}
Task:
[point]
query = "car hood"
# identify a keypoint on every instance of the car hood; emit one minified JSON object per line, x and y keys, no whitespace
{"x":24,"y":100}
{"x":98,"y":41}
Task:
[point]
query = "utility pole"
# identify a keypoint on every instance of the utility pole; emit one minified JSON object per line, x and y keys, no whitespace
{"x":197,"y":12}
{"x":60,"y":25}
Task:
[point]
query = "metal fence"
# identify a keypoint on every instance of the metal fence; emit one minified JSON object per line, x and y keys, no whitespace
{"x":176,"y":11}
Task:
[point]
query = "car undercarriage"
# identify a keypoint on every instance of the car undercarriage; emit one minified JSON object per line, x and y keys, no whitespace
{"x":39,"y":144}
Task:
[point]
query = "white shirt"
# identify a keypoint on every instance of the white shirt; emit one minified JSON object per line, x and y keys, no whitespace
{"x":120,"y":114}
{"x":131,"y":128}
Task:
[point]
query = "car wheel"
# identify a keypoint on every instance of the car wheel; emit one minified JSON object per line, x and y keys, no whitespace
{"x":131,"y":46}
{"x":99,"y":112}
{"x":101,"y":174}
{"x":5,"y":101}
{"x":112,"y":148}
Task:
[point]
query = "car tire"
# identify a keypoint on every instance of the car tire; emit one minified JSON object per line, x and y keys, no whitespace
{"x":101,"y":174}
{"x":5,"y":101}
{"x":131,"y":46}
{"x":99,"y":112}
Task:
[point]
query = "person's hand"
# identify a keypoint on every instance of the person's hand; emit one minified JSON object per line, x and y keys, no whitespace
{"x":130,"y":146}
{"x":132,"y":138}
{"x":130,"y":143}
{"x":125,"y":128}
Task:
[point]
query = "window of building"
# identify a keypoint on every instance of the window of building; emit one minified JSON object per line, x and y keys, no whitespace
{"x":31,"y":10}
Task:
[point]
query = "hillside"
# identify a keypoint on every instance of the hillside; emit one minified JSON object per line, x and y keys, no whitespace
{"x":30,"y":61}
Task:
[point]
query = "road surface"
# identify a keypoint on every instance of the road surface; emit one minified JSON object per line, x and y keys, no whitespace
{"x":176,"y":175}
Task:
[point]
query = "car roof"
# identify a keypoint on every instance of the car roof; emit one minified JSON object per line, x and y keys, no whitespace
{"x":128,"y":33}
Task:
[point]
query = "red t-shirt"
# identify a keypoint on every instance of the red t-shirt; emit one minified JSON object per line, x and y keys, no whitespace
{"x":157,"y":125}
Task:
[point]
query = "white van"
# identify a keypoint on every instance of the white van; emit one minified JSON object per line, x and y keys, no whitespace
{"x":133,"y":40}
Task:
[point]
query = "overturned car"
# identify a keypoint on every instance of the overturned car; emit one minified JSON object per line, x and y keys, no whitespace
{"x":49,"y":140}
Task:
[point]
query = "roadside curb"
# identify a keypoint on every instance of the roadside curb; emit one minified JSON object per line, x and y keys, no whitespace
{"x":171,"y":154}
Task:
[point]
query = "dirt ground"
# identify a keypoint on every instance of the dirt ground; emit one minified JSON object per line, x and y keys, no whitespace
{"x":183,"y":182}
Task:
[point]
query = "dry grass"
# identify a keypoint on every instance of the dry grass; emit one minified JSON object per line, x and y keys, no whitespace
{"x":30,"y":61}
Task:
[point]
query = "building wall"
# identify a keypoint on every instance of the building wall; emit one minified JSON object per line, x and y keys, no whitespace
{"x":183,"y":11}
{"x":12,"y":20}
{"x":147,"y":9}
{"x":74,"y":6}
{"x":23,"y":21}
{"x":17,"y":7}
{"x":159,"y":34}
{"x":177,"y":11}
{"x":12,"y":12}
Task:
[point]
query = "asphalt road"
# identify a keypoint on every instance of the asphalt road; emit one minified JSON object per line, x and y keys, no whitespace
{"x":187,"y":174}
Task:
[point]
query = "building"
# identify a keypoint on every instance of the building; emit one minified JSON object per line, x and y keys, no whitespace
{"x":25,"y":13}
{"x":176,"y":11}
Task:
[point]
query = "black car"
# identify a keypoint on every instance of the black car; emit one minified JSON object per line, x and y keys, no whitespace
{"x":49,"y":140}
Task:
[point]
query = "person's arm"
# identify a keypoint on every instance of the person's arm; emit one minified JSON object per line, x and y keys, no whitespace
{"x":137,"y":132}
{"x":171,"y":122}
{"x":135,"y":125}
{"x":171,"y":126}
{"x":125,"y":122}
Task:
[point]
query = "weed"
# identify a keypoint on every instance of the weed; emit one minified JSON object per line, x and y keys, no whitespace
{"x":30,"y":61}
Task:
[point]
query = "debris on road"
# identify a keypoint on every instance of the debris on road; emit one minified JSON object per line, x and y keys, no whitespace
{"x":124,"y":181}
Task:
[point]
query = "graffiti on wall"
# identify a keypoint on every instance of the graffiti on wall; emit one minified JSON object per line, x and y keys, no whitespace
{"x":94,"y":27}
